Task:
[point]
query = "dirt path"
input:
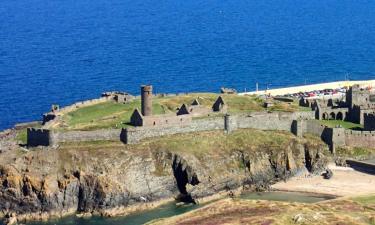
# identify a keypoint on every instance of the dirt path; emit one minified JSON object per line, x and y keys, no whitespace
{"x":345,"y":182}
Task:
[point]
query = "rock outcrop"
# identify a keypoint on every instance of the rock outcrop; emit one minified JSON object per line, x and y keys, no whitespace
{"x":39,"y":184}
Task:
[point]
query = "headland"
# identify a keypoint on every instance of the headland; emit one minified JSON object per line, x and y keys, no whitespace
{"x":121,"y":152}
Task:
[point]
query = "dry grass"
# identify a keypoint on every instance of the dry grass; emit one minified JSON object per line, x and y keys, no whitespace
{"x":237,"y":211}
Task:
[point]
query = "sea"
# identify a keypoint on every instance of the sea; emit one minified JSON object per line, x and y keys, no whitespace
{"x":64,"y":51}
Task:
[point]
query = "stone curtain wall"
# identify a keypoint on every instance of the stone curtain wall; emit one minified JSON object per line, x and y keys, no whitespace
{"x":37,"y":137}
{"x":335,"y":137}
{"x":136,"y":134}
{"x":56,"y":115}
{"x":43,"y":137}
{"x":78,"y":136}
{"x":262,"y":121}
{"x":360,"y":138}
{"x":271,"y":121}
{"x":74,"y":106}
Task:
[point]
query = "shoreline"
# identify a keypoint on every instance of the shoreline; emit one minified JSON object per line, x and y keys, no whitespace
{"x":309,"y":87}
{"x":346,"y":182}
{"x":314,"y":185}
{"x":113,"y":212}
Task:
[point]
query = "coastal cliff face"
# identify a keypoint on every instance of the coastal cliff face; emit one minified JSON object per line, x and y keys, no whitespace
{"x":106,"y":178}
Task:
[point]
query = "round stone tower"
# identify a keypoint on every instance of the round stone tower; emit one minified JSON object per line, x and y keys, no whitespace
{"x":146,"y":95}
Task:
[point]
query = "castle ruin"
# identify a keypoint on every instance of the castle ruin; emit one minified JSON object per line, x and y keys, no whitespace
{"x":358,"y":104}
{"x":183,"y":115}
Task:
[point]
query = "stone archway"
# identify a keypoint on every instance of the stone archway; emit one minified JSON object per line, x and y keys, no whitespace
{"x":332,"y":116}
{"x":325,"y":116}
{"x":339,"y":116}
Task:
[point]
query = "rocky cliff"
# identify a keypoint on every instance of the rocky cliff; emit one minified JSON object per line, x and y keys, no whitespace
{"x":108,"y":177}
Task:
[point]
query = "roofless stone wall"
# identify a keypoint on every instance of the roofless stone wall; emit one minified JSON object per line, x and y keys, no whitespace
{"x":136,"y":134}
{"x":360,"y":138}
{"x":43,"y":137}
{"x":37,"y":137}
{"x":78,"y":136}
{"x":262,"y":121}
{"x":335,"y":137}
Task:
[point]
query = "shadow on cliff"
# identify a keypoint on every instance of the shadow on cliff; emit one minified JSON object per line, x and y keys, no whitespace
{"x":184,"y":175}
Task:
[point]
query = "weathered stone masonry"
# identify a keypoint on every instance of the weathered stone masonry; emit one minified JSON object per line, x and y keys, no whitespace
{"x":43,"y":137}
{"x":298,"y":123}
{"x":335,"y":137}
{"x":262,"y":121}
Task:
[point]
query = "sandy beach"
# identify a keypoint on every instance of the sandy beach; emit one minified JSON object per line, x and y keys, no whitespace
{"x":345,"y":182}
{"x":312,"y":87}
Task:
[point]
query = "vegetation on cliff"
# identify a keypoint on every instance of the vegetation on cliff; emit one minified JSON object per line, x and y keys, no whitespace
{"x":106,"y":177}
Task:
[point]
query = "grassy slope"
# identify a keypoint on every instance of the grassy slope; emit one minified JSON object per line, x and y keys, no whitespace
{"x":104,"y":115}
{"x":237,"y":211}
{"x":355,"y":152}
{"x":200,"y":144}
{"x":110,"y":114}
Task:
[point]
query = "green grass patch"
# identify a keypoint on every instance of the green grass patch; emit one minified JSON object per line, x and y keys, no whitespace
{"x":22,"y":136}
{"x":214,"y":142}
{"x":355,"y":152}
{"x":117,"y":115}
{"x":344,"y":124}
{"x":104,"y":115}
{"x":365,"y":199}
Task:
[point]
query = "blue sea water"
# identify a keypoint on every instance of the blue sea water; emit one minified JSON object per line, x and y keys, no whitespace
{"x":62,"y":51}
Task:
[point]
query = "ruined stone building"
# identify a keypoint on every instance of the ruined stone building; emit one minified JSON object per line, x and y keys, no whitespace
{"x":182,"y":117}
{"x":194,"y":109}
{"x":146,"y":118}
{"x":118,"y":96}
{"x":358,"y":107}
{"x":220,"y":105}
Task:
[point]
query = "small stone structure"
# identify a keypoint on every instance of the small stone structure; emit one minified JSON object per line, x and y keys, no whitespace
{"x":225,"y":90}
{"x":118,"y":96}
{"x":182,"y":117}
{"x":268,"y":103}
{"x":195,"y":109}
{"x":146,"y":97}
{"x":369,"y":122}
{"x":137,"y":119}
{"x":36,"y":137}
{"x":220,"y":106}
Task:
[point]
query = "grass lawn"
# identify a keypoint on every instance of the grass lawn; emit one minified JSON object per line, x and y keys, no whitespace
{"x":22,"y":136}
{"x":344,"y":124}
{"x":104,"y":115}
{"x":216,"y":142}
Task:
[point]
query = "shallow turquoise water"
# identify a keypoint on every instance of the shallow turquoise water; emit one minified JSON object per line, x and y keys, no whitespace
{"x":171,"y":209}
{"x":166,"y":210}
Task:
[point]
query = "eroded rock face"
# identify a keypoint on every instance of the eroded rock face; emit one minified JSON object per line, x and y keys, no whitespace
{"x":98,"y":184}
